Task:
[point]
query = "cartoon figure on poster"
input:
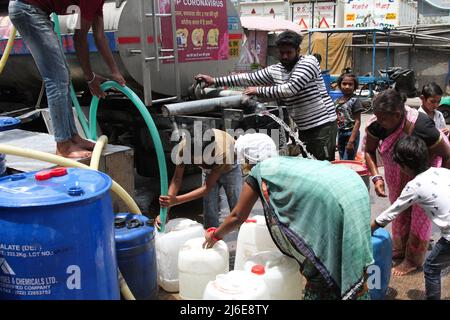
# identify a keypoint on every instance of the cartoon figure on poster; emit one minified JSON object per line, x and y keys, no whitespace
{"x":213,"y":37}
{"x":182,"y":36}
{"x":197,"y":37}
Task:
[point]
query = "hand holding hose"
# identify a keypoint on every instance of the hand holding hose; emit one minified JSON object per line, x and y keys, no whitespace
{"x":94,"y":85}
{"x":158,"y":221}
{"x":117,"y":77}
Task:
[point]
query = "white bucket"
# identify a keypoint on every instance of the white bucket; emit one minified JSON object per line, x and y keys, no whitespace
{"x":198,"y":266}
{"x":237,"y":285}
{"x":280,"y":273}
{"x":167,"y":246}
{"x":253,"y":237}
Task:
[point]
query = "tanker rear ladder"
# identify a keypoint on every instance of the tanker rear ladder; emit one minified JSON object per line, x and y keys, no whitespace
{"x":146,"y":58}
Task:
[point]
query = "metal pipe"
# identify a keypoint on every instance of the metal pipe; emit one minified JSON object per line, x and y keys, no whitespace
{"x":207,"y":105}
{"x":217,"y":93}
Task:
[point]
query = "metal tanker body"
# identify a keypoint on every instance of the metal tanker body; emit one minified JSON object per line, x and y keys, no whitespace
{"x":208,"y":36}
{"x":159,"y":46}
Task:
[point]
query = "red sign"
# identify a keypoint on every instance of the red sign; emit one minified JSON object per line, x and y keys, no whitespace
{"x":324,"y":21}
{"x":202,"y":29}
{"x":302,"y":23}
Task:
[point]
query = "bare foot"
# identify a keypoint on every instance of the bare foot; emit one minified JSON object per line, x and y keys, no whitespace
{"x":396,"y":260}
{"x":83,"y":143}
{"x":403,"y":268}
{"x":68,"y":149}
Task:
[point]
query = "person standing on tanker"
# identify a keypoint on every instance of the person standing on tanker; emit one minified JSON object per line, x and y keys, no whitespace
{"x":317,"y":213}
{"x":32,"y":19}
{"x":296,"y":82}
{"x":392,"y":120}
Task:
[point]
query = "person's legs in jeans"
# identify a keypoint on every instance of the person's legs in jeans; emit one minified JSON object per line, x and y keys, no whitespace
{"x":342,"y":142}
{"x":36,"y":30}
{"x":232,"y":183}
{"x":343,"y":138}
{"x":211,"y":205}
{"x":76,"y":138}
{"x":438,"y":260}
{"x":331,"y":141}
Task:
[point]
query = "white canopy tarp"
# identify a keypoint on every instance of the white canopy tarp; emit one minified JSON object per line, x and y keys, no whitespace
{"x":269,"y":24}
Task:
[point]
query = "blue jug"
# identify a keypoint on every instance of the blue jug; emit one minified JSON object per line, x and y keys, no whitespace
{"x":136,"y":256}
{"x":382,"y":254}
{"x":6,"y":123}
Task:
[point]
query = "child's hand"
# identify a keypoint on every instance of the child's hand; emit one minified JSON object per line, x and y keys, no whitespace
{"x":167,"y":201}
{"x":350,"y":146}
{"x":445,"y":131}
{"x":379,"y":188}
{"x":373,"y":227}
{"x":158,"y":221}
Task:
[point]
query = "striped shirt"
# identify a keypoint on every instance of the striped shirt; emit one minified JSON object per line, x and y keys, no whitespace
{"x":302,"y":90}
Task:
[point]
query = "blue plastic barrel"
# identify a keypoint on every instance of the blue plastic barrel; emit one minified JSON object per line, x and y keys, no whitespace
{"x":335,"y":94}
{"x":327,"y":79}
{"x":136,"y":256}
{"x":57,"y":236}
{"x":6,"y":123}
{"x":382,"y":254}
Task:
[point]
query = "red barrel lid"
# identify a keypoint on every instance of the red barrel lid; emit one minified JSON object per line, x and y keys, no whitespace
{"x":47,"y":174}
{"x":58,"y":172}
{"x":43,"y":175}
{"x":357,"y":166}
{"x":258,"y":269}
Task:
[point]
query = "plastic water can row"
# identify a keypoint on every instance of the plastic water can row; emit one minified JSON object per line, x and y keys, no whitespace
{"x":168,"y":245}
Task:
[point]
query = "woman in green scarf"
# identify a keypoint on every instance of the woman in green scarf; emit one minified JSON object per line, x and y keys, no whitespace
{"x":317,"y":213}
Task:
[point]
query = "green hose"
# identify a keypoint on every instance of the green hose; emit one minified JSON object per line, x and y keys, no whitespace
{"x":151,"y":127}
{"x":75,"y":102}
{"x":91,"y":131}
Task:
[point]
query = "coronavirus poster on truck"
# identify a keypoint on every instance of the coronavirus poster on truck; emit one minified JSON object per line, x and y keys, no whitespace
{"x":201,"y":29}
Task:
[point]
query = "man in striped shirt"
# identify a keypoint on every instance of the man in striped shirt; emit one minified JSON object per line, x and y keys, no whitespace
{"x":297,"y":83}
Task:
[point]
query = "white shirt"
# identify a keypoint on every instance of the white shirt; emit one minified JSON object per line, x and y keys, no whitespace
{"x":438,"y":119}
{"x":431,"y":191}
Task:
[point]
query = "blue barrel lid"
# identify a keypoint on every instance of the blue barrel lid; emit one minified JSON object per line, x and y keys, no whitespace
{"x":8,"y":123}
{"x":380,"y":235}
{"x":132,"y":230}
{"x":52,"y":187}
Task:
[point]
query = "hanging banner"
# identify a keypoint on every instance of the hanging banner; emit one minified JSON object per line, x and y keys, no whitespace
{"x":324,"y":15}
{"x":302,"y":15}
{"x":385,"y":13}
{"x":358,"y":13}
{"x":202,"y":29}
{"x":257,"y":45}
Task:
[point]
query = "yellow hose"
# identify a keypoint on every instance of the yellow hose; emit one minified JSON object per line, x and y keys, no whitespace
{"x":116,"y":188}
{"x":9,"y":45}
{"x":47,"y":157}
{"x":95,"y":159}
{"x":96,"y":154}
